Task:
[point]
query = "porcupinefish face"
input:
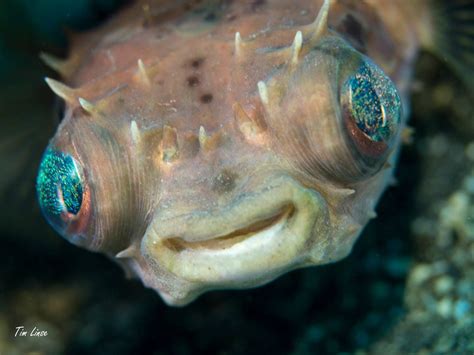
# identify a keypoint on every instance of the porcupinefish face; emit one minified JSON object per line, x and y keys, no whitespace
{"x":211,"y":161}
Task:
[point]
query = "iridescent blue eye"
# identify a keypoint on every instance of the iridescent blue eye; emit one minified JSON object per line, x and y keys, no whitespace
{"x":372,"y":106}
{"x":59,"y":188}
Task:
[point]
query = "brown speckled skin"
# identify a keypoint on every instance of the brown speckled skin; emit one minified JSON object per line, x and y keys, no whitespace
{"x":164,"y":194}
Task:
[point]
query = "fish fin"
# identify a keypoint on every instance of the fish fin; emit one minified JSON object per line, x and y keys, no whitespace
{"x":452,"y":35}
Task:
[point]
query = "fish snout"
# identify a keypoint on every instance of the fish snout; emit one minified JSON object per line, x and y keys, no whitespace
{"x":252,"y":240}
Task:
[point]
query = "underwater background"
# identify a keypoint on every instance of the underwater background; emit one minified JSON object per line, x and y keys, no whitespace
{"x":407,"y":287}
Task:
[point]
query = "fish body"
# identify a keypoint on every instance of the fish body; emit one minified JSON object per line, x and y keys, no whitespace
{"x":219,"y":144}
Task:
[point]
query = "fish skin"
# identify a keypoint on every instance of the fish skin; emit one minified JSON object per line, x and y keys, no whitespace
{"x":187,"y":132}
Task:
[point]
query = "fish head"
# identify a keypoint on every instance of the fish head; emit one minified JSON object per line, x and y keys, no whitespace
{"x":281,"y":171}
{"x":294,"y":189}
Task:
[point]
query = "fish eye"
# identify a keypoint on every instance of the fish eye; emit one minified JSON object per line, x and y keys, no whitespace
{"x":371,"y":110}
{"x":61,"y":192}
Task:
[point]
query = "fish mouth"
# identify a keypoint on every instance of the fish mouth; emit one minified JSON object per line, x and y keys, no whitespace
{"x":249,"y":242}
{"x":228,"y":240}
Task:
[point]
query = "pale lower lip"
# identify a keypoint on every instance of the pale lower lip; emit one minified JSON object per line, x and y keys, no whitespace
{"x":233,"y":262}
{"x":244,"y":259}
{"x":261,"y":255}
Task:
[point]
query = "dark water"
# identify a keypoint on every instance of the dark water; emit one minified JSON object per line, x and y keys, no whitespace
{"x":88,"y":307}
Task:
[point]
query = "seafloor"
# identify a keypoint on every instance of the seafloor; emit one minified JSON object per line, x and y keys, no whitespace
{"x":407,"y":288}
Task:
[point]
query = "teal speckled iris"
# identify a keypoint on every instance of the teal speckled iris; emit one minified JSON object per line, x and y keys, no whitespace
{"x":374,"y":102}
{"x":59,"y":186}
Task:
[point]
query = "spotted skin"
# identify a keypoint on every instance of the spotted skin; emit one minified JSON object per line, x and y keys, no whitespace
{"x":218,"y":141}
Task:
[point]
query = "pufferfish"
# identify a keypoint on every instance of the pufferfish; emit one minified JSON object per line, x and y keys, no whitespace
{"x":219,"y":144}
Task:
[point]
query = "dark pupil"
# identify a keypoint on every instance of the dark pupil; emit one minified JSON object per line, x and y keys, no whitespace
{"x":59,"y":184}
{"x":366,"y":108}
